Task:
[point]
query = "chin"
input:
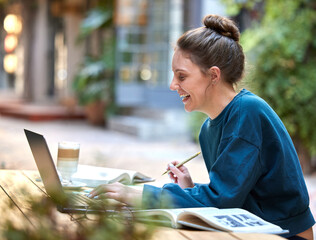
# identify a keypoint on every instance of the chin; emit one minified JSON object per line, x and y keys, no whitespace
{"x":187,"y":109}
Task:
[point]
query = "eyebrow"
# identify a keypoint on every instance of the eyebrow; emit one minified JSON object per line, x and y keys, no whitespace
{"x":180,"y":69}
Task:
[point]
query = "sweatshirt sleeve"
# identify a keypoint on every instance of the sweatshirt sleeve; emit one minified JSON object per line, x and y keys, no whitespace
{"x":232,"y":176}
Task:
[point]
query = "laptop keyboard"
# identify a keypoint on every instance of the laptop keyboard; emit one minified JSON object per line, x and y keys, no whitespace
{"x":82,"y":200}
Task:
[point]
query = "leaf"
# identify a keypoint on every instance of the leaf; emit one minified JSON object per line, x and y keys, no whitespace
{"x":96,"y":19}
{"x":281,"y":48}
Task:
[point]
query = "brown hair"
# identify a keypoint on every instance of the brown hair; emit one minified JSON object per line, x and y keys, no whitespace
{"x":216,"y":44}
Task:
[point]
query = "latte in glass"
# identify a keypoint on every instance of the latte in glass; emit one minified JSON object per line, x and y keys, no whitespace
{"x":67,"y":159}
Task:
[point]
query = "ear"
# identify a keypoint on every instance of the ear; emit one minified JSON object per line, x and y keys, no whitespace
{"x":215,"y":74}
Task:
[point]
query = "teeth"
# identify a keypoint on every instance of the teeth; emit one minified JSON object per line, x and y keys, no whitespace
{"x":184,"y":96}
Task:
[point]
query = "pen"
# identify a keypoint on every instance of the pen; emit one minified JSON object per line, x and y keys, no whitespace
{"x":185,"y":161}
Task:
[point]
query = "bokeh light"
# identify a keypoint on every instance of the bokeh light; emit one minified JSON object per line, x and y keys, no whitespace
{"x":12,"y":24}
{"x":10,"y":42}
{"x":10,"y":63}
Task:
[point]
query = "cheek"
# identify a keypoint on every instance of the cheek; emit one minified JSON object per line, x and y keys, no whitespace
{"x":199,"y":91}
{"x":196,"y":87}
{"x":201,"y":94}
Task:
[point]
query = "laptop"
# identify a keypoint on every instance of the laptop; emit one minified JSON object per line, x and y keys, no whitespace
{"x":66,"y":201}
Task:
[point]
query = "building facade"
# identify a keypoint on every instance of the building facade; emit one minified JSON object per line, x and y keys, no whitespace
{"x":49,"y":54}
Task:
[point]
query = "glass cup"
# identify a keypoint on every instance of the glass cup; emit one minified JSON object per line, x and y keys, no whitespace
{"x":67,"y":160}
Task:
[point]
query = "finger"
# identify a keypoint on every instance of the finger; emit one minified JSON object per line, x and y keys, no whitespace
{"x":100,"y":196}
{"x":174,"y":163}
{"x":183,"y":169}
{"x":97,"y":191}
{"x":172,"y":177}
{"x":112,"y":195}
{"x":175,"y":170}
{"x":93,"y":193}
{"x":118,"y":193}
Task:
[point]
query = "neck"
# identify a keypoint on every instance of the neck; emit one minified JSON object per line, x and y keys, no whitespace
{"x":221,"y":96}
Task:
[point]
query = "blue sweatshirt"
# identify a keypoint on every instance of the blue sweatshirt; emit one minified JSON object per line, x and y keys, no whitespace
{"x":252,"y":164}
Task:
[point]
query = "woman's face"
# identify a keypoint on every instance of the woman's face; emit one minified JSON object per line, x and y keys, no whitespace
{"x":191,"y":84}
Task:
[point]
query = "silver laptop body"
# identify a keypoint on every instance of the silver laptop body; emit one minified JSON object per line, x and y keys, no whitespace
{"x":66,"y":202}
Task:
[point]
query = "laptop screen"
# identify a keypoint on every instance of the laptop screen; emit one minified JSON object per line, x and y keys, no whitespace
{"x":46,"y":166}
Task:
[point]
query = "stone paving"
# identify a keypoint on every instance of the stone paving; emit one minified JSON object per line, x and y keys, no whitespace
{"x":101,"y":147}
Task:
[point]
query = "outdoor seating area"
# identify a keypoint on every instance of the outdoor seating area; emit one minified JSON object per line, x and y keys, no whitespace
{"x":157,"y":119}
{"x":103,"y":148}
{"x":14,"y":181}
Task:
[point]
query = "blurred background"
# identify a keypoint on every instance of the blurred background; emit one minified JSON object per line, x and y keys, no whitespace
{"x":108,"y":63}
{"x":98,"y":72}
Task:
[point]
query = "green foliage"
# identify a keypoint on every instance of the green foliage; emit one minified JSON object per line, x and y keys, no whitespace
{"x":45,"y":224}
{"x":196,"y":120}
{"x":91,"y":83}
{"x":233,"y":7}
{"x":282,"y":51}
{"x":95,"y":79}
{"x":97,"y":18}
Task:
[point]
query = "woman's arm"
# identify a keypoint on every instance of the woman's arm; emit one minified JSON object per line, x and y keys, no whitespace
{"x":232,"y":177}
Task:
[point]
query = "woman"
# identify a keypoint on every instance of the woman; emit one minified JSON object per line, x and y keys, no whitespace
{"x":249,"y":155}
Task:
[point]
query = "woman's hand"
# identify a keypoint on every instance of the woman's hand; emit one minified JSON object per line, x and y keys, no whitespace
{"x":180,"y":175}
{"x":118,"y":192}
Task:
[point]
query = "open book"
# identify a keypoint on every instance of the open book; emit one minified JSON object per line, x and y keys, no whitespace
{"x":93,"y":176}
{"x":210,"y":219}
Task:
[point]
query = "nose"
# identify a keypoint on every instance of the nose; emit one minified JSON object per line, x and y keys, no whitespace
{"x":174,"y":85}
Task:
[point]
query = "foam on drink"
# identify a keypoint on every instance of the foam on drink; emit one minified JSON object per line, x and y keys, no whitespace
{"x":67,"y":158}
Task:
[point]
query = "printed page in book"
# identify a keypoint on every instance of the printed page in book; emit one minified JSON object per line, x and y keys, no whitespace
{"x":234,"y":219}
{"x":210,"y":219}
{"x":94,"y":176}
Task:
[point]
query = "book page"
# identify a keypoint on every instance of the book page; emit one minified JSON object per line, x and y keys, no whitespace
{"x":166,"y":217}
{"x":198,"y":223}
{"x":137,"y":177}
{"x":94,"y":176}
{"x":235,"y":220}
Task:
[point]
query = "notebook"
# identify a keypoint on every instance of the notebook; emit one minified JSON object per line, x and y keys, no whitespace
{"x":66,"y":201}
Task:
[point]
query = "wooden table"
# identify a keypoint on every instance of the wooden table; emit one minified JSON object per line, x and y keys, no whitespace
{"x":16,"y":186}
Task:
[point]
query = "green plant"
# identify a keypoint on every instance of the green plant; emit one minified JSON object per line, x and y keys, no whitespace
{"x":281,"y":48}
{"x":196,"y":120}
{"x":95,"y":78}
{"x":91,"y":83}
{"x":46,"y":224}
{"x":97,"y":18}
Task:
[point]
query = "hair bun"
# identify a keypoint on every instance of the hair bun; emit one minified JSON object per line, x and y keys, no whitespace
{"x":222,"y":25}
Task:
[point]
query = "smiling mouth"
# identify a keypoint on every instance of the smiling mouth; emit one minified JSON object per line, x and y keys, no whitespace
{"x":184,"y":96}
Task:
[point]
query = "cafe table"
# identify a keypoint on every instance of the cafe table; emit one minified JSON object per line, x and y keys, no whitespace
{"x":17,"y":185}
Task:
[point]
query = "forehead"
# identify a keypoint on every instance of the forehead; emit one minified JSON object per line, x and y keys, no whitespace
{"x":181,"y":61}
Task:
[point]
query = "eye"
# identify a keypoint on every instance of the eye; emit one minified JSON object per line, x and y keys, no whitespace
{"x":181,"y":77}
